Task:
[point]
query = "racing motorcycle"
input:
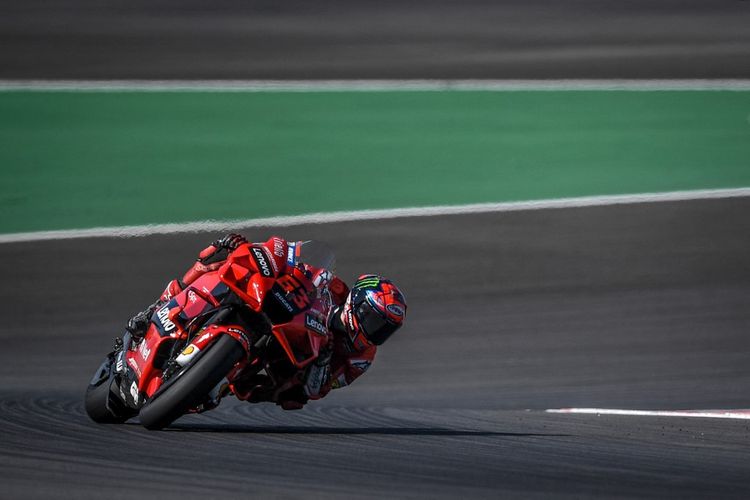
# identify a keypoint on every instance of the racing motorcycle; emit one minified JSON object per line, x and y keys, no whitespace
{"x":250,"y":328}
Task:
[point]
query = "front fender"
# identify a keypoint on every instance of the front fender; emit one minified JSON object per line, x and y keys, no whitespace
{"x":207,"y":336}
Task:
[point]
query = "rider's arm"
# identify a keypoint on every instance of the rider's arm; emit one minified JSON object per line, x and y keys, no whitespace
{"x":352,"y":367}
{"x":339,"y":290}
{"x":343,"y":370}
{"x":211,"y":258}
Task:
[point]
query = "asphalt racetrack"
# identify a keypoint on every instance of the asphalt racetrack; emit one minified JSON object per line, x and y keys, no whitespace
{"x":639,"y":306}
{"x":329,"y":39}
{"x":510,"y":314}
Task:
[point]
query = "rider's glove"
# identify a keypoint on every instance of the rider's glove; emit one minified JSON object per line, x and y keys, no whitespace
{"x":221,"y":248}
{"x":213,"y":256}
{"x":138,"y":324}
{"x":230,"y":241}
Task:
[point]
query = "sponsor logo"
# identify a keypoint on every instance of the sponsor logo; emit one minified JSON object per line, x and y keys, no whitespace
{"x":396,"y":309}
{"x":134,"y":364}
{"x":315,"y":325}
{"x":192,"y":297}
{"x":348,"y":318}
{"x":242,"y":335}
{"x":134,"y":392}
{"x":272,"y":261}
{"x":368,"y":282}
{"x":186,"y":355}
{"x":316,"y":377}
{"x":163,"y":315}
{"x":260,"y":259}
{"x":290,"y":254}
{"x":278,"y":247}
{"x":143,"y":350}
{"x":283,"y":301}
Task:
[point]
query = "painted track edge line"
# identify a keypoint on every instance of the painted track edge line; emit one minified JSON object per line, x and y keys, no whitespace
{"x":736,"y":414}
{"x":331,"y":217}
{"x":467,"y":85}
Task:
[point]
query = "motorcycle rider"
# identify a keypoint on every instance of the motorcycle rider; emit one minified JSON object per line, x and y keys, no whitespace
{"x":360,"y":320}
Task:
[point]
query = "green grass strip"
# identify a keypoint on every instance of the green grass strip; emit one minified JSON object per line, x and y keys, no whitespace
{"x":77,"y":160}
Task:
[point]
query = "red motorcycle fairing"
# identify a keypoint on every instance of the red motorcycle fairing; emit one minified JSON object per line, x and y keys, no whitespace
{"x":174,"y":322}
{"x":289,"y":300}
{"x":251,"y":271}
{"x":304,"y":336}
{"x":261,"y":277}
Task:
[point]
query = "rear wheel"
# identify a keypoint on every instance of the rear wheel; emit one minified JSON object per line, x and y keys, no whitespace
{"x":190,"y":386}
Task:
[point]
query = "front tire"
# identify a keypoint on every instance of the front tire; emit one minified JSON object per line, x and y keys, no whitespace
{"x":101,"y":403}
{"x":189,"y":387}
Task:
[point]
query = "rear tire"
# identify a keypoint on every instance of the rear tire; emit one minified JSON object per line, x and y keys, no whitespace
{"x":189,"y":387}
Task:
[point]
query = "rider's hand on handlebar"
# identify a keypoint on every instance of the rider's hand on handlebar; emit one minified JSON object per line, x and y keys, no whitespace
{"x":219,"y":250}
{"x":231,"y":241}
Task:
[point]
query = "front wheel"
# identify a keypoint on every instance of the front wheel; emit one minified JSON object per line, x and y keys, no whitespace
{"x":189,"y":387}
{"x":100,"y":402}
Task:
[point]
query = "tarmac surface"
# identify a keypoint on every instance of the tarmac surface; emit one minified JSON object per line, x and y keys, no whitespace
{"x":639,"y":306}
{"x":325,"y":39}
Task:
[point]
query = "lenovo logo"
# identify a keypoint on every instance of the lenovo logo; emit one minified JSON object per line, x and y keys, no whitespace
{"x":260,"y":259}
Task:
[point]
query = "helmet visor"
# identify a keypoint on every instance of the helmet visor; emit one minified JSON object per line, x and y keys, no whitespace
{"x":376,"y":328}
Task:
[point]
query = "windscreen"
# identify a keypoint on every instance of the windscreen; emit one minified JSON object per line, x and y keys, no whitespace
{"x":313,"y":253}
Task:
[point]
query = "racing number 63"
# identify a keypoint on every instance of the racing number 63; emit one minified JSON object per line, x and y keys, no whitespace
{"x":295,"y":289}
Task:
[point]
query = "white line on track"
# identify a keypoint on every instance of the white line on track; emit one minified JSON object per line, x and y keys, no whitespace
{"x":323,"y":218}
{"x":733,"y":414}
{"x":370,"y":85}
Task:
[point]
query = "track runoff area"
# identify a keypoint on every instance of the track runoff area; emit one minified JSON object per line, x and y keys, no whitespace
{"x":428,"y":211}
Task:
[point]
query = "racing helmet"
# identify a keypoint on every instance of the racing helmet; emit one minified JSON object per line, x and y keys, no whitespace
{"x":374,"y":310}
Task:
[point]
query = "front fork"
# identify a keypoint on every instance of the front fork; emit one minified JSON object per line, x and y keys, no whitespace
{"x":202,"y":340}
{"x":122,"y":345}
{"x":127,"y":383}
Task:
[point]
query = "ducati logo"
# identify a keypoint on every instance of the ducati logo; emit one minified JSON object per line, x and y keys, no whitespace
{"x":283,"y":301}
{"x":278,"y":247}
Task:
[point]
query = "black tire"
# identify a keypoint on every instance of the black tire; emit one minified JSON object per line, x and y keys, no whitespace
{"x":97,"y":397}
{"x":98,"y":400}
{"x":189,"y":387}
